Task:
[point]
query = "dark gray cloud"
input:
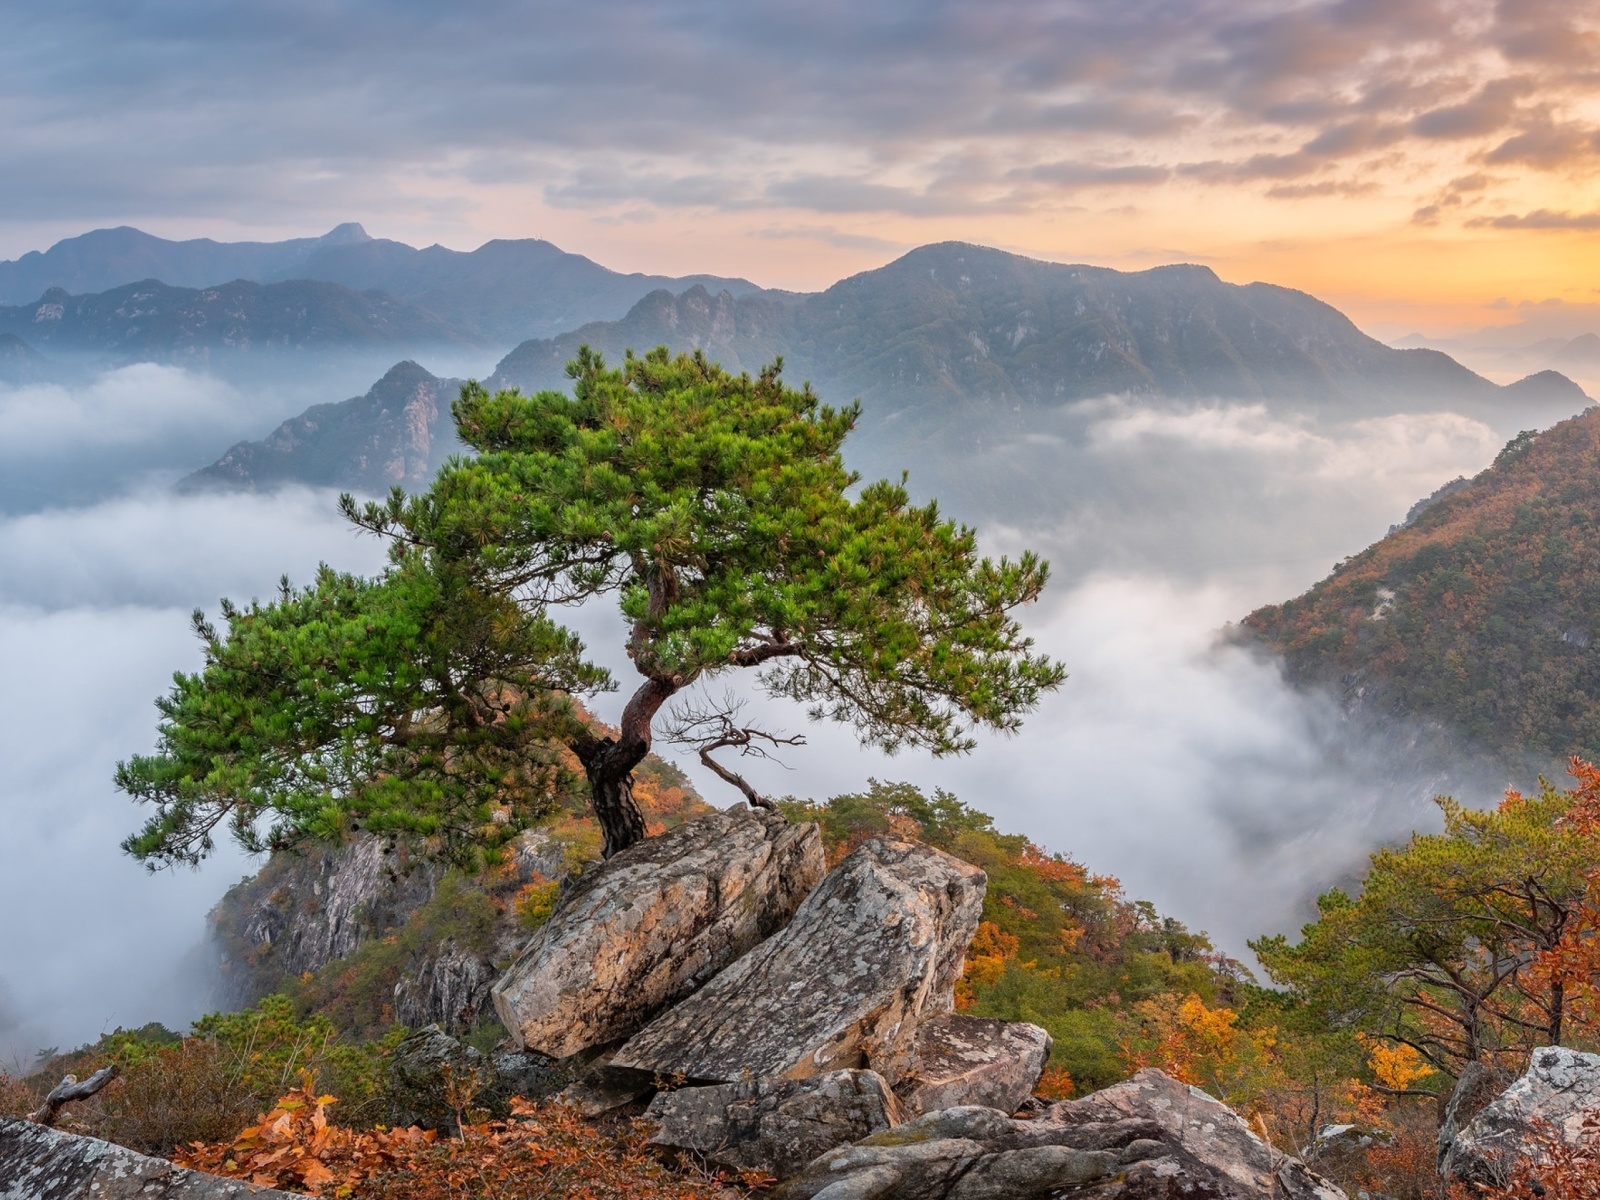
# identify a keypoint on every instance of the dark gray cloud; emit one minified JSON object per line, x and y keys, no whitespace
{"x":1541,"y":218}
{"x":262,"y":113}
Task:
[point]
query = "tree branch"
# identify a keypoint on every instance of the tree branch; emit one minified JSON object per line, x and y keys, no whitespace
{"x":69,"y":1090}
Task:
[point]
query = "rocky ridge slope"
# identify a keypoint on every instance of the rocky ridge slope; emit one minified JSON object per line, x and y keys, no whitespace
{"x":397,"y":435}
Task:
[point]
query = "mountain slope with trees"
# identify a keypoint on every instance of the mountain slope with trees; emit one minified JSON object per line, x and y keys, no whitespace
{"x":153,"y":322}
{"x":1482,"y":611}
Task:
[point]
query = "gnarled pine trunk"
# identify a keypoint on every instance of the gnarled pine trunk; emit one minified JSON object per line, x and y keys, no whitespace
{"x":609,"y":762}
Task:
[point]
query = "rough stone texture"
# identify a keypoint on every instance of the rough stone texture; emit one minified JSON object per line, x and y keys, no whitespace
{"x":1343,"y":1148}
{"x":39,"y":1163}
{"x":961,"y":1060}
{"x":452,"y":985}
{"x":875,"y":948}
{"x":1150,"y":1138}
{"x":423,"y":1067}
{"x":302,"y":912}
{"x":652,"y":924}
{"x":604,"y":1088}
{"x":773,"y":1125}
{"x":1557,"y":1094}
{"x":1475,"y":1090}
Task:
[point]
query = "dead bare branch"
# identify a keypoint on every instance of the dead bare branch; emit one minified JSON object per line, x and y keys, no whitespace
{"x":69,"y":1090}
{"x":715,"y":726}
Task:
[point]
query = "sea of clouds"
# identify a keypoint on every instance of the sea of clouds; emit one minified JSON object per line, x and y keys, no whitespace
{"x":1170,"y":758}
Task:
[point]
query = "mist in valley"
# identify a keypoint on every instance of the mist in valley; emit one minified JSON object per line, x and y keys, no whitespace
{"x":1171,"y":758}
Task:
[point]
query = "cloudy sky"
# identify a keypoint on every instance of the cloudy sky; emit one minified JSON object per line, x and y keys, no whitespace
{"x":1424,"y":164}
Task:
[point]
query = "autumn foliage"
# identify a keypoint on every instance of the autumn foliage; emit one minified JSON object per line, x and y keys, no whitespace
{"x":1482,"y":611}
{"x":543,"y":1150}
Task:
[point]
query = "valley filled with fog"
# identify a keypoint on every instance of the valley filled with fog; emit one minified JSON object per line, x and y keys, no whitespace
{"x":1171,"y":759}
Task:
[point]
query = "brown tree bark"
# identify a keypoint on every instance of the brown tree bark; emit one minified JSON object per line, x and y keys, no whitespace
{"x":609,"y":762}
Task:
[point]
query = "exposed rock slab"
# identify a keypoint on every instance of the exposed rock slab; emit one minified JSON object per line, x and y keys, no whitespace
{"x":1557,"y":1095}
{"x":960,"y":1060}
{"x":773,"y":1125}
{"x":1476,"y":1088}
{"x":652,"y":924}
{"x":430,"y":1065}
{"x":1150,"y":1138}
{"x":875,"y":948}
{"x":40,"y":1163}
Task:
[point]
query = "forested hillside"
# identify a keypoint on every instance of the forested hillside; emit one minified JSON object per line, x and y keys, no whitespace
{"x":1482,"y":611}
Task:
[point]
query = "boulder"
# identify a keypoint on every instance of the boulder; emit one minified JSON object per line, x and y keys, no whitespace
{"x":960,"y":1060}
{"x":1554,"y":1099}
{"x":874,"y":949}
{"x":1150,"y":1138}
{"x":773,"y":1125}
{"x":650,"y":925}
{"x":604,"y":1088}
{"x":40,"y":1163}
{"x":1475,"y":1089}
{"x":430,"y":1073}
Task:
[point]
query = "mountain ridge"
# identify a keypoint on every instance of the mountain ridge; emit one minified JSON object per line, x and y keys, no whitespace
{"x":153,"y":321}
{"x":503,"y":292}
{"x":954,"y":326}
{"x":397,"y":434}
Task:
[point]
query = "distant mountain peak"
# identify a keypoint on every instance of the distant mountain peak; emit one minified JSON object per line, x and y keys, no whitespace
{"x":350,"y":233}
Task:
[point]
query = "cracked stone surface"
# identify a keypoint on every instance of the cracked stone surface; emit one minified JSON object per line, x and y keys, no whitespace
{"x":40,"y":1163}
{"x":1556,"y":1097}
{"x":773,"y":1125}
{"x":1150,"y":1138}
{"x":874,"y":949}
{"x":651,"y":925}
{"x":960,"y":1060}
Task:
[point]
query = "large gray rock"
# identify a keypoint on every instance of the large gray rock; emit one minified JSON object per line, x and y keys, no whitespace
{"x":1150,"y":1138}
{"x":961,"y":1060}
{"x":877,"y":947}
{"x":650,"y":925}
{"x":773,"y":1125}
{"x":40,"y":1163}
{"x":1554,"y":1098}
{"x":1476,"y":1088}
{"x":430,"y":1073}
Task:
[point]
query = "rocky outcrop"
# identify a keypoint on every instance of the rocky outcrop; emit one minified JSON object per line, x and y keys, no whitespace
{"x":960,"y":1060}
{"x":1476,"y":1088}
{"x":773,"y":1125}
{"x":1555,"y":1099}
{"x":433,"y":1075}
{"x":40,"y":1163}
{"x":654,"y":923}
{"x":875,"y":948}
{"x":303,"y":912}
{"x":1150,"y":1138}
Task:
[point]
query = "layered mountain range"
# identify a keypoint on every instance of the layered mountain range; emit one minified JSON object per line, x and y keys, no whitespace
{"x":498,"y":294}
{"x":152,"y":321}
{"x":954,"y":327}
{"x":954,"y":347}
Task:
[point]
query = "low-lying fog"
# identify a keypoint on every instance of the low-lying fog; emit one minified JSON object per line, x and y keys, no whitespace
{"x":1187,"y":769}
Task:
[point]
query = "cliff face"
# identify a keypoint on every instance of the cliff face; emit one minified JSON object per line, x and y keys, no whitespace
{"x":374,"y":936}
{"x":420,"y":945}
{"x":397,"y":434}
